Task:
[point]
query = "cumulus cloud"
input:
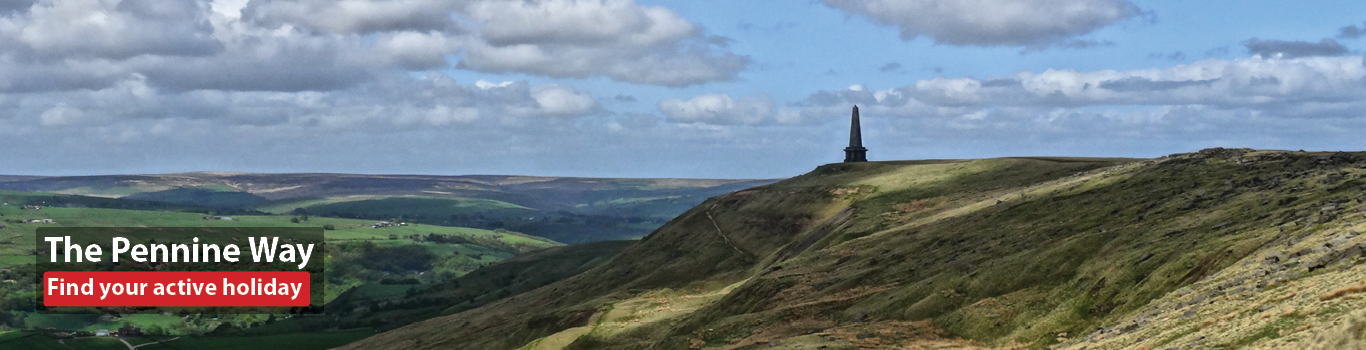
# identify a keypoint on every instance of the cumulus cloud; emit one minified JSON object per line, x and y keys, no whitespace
{"x":1293,"y":88}
{"x":109,"y":29}
{"x":251,"y":76}
{"x":994,"y":22}
{"x":385,"y":105}
{"x":1294,"y":49}
{"x":316,"y":45}
{"x":1309,"y":102}
{"x":618,"y":39}
{"x":355,"y":16}
{"x":557,"y":100}
{"x":718,"y":109}
{"x":1240,"y":82}
{"x":614,"y":38}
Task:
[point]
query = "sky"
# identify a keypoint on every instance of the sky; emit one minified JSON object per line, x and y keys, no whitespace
{"x":661,"y":88}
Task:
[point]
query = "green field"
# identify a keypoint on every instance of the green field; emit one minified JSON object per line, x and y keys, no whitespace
{"x":16,"y":239}
{"x":479,"y":247}
{"x":357,"y":256}
{"x":39,"y":341}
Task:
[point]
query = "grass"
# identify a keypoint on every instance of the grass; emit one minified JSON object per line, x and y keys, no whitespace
{"x":1344,"y":291}
{"x":1348,"y":335}
{"x":94,"y":343}
{"x":1019,"y":251}
{"x":1271,"y":330}
{"x":21,"y":235}
{"x":140,"y":320}
{"x":301,"y":341}
{"x":40,"y":341}
{"x":402,"y":304}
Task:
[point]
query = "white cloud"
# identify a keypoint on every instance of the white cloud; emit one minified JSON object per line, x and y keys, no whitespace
{"x":1250,"y":82}
{"x":1253,"y":102}
{"x":579,"y":38}
{"x":485,"y":84}
{"x":717,"y":109}
{"x":390,"y":104}
{"x":109,"y":29}
{"x":618,"y":39}
{"x":577,"y":22}
{"x":1030,"y":23}
{"x":556,"y":100}
{"x":317,"y":45}
{"x":1241,"y":82}
{"x":416,"y":51}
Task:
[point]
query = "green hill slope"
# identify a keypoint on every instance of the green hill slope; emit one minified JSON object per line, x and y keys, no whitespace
{"x":1007,"y":253}
{"x":386,"y":306}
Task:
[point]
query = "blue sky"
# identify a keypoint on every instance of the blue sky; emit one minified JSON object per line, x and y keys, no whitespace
{"x":620,"y":88}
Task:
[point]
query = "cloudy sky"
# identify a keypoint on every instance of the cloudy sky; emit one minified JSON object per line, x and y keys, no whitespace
{"x":661,"y":88}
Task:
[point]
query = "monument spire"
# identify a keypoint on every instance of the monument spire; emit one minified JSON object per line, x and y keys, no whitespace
{"x":855,"y":152}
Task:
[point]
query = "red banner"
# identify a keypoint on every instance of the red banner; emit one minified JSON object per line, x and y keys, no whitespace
{"x":175,"y":288}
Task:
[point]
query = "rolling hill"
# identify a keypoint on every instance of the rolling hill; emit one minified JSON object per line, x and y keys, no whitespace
{"x":560,"y":208}
{"x":1219,"y":249}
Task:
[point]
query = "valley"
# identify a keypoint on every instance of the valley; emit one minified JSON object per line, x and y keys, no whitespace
{"x":389,"y":239}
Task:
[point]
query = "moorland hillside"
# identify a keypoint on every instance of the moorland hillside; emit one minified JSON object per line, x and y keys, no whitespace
{"x":1223,"y":248}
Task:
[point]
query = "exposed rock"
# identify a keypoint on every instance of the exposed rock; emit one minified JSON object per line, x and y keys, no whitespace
{"x":1336,"y":255}
{"x":1194,"y":310}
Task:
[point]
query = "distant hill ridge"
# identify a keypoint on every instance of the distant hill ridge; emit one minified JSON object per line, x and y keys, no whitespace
{"x":566,"y":209}
{"x":310,"y":185}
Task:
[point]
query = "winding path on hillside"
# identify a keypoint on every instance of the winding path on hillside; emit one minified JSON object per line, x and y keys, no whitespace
{"x":743,"y":254}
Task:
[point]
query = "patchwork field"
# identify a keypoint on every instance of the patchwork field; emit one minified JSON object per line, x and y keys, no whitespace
{"x":357,"y":256}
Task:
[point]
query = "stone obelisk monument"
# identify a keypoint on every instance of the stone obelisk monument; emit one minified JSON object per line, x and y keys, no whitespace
{"x":855,"y":152}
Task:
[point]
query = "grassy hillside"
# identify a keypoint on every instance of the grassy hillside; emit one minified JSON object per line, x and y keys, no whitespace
{"x":387,"y":306}
{"x":993,"y":253}
{"x":204,"y":197}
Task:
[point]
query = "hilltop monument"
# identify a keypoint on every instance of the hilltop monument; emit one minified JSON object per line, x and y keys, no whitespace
{"x":855,"y":152}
